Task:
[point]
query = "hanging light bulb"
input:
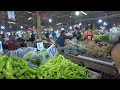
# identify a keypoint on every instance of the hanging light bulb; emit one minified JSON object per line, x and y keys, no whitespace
{"x":50,"y":20}
{"x":70,"y":27}
{"x":77,"y":13}
{"x":100,"y":20}
{"x":104,"y":23}
{"x":62,"y":28}
{"x":21,"y":27}
{"x":2,"y":27}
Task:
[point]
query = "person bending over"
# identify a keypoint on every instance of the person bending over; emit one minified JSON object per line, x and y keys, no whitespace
{"x":61,"y":39}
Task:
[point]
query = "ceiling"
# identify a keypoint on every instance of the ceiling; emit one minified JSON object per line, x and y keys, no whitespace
{"x":64,"y":17}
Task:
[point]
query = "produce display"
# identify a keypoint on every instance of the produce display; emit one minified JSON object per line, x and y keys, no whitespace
{"x":101,"y":37}
{"x":56,"y":68}
{"x":36,"y":58}
{"x":62,"y":68}
{"x":101,"y":53}
{"x":14,"y":68}
{"x":74,"y":50}
{"x":31,"y":55}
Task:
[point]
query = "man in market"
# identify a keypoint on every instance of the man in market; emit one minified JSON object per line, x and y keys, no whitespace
{"x":26,"y":36}
{"x":61,"y":39}
{"x":77,"y":33}
{"x":47,"y":36}
{"x":53,"y":34}
{"x":11,"y":37}
{"x":32,"y":37}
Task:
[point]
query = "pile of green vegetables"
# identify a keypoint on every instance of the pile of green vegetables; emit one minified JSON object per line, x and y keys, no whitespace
{"x":57,"y":68}
{"x":62,"y":68}
{"x":14,"y":68}
{"x":101,"y":37}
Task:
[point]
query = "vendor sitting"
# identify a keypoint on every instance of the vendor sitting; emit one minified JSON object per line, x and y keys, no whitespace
{"x":61,"y":39}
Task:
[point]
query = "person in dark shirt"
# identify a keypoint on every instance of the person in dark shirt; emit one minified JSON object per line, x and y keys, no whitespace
{"x":53,"y":34}
{"x":77,"y":33}
{"x":61,"y":39}
{"x":32,"y":37}
{"x":3,"y":35}
{"x":47,"y":36}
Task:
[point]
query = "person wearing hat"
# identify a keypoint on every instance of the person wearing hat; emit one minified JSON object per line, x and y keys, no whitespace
{"x":61,"y":39}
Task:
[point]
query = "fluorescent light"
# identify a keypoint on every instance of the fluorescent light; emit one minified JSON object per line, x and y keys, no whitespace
{"x":12,"y":22}
{"x":62,"y":28}
{"x":88,"y":24}
{"x":70,"y":27}
{"x":50,"y":20}
{"x":29,"y":12}
{"x":21,"y":27}
{"x":104,"y":23}
{"x":58,"y":23}
{"x":80,"y":24}
{"x":83,"y":12}
{"x":2,"y":27}
{"x":30,"y":18}
{"x":100,"y":20}
{"x":77,"y":13}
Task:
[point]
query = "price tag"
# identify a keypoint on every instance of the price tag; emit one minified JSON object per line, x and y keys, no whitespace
{"x":1,"y":48}
{"x":40,"y":46}
{"x":52,"y":50}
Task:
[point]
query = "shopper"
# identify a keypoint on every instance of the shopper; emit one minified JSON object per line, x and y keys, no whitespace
{"x":47,"y":36}
{"x":2,"y":39}
{"x":77,"y":33}
{"x":32,"y":37}
{"x":26,"y":36}
{"x":88,"y":34}
{"x":61,"y":39}
{"x":11,"y":37}
{"x":3,"y":35}
{"x":54,"y":34}
{"x":115,"y":53}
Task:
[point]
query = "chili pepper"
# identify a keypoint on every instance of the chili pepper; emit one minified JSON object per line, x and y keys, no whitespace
{"x":8,"y":75}
{"x":9,"y":65}
{"x":31,"y":70}
{"x":3,"y":61}
{"x":21,"y":72}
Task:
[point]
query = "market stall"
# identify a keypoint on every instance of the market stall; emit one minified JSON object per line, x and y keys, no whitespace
{"x":25,"y":64}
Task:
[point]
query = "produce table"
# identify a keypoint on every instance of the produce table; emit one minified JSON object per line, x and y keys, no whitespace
{"x":91,"y":63}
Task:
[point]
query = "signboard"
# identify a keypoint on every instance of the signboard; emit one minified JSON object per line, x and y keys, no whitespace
{"x":11,"y":15}
{"x":1,"y":49}
{"x":52,"y":50}
{"x":40,"y":46}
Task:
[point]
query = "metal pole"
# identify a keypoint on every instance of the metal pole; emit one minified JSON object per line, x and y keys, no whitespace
{"x":39,"y":26}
